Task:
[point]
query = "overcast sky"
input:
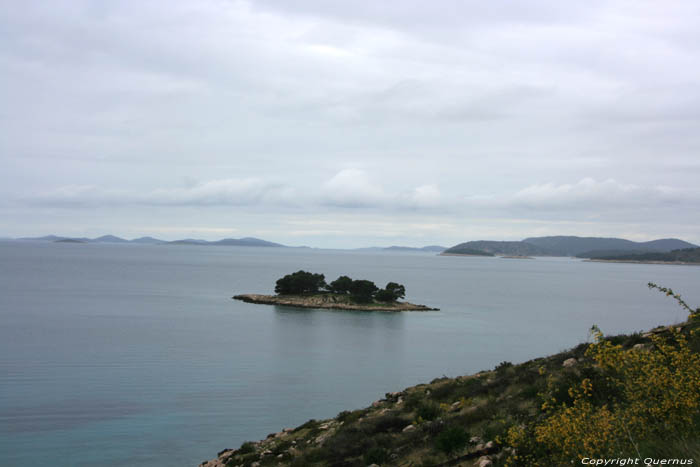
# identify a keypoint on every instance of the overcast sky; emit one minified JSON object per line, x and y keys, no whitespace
{"x":344,"y":124}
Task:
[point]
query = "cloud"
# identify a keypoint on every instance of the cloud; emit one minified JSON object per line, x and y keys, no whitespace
{"x":353,"y":188}
{"x":591,"y":196}
{"x":226,"y":192}
{"x":538,"y":111}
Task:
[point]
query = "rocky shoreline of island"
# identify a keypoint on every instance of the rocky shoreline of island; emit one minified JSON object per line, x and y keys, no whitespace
{"x":329,"y":301}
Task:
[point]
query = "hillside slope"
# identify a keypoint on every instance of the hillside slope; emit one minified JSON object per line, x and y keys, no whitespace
{"x":512,"y":415}
{"x":572,"y":246}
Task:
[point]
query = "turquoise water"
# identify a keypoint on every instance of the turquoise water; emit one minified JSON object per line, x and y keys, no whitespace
{"x":129,"y":355}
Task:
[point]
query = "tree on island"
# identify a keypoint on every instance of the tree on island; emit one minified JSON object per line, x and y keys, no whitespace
{"x":391,"y":293}
{"x":341,"y":285}
{"x":359,"y":291}
{"x":300,"y":282}
{"x":362,"y":291}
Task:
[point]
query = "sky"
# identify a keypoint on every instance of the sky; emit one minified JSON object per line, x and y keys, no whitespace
{"x":350,"y":124}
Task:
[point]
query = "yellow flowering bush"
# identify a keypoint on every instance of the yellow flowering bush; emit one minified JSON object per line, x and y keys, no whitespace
{"x":656,"y":397}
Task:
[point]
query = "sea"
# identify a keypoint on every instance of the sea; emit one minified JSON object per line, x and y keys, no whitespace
{"x":136,"y":355}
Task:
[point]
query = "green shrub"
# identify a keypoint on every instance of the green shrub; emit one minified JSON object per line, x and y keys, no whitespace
{"x":503,"y":366}
{"x":348,"y":417}
{"x":386,"y":424}
{"x":452,"y":439}
{"x":414,"y":399}
{"x":428,"y":410}
{"x":246,"y":448}
{"x":311,"y":424}
{"x":376,"y":455}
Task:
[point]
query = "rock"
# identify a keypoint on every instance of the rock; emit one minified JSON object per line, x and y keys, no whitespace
{"x":323,"y":437}
{"x":213,"y":463}
{"x":372,"y":465}
{"x":569,"y":362}
{"x":472,"y":409}
{"x":475,"y":440}
{"x":255,"y":464}
{"x":280,"y":456}
{"x":376,"y":403}
{"x":399,"y":401}
{"x":489,"y":445}
{"x":455,"y":407}
{"x":325,"y":426}
{"x":641,"y":347}
{"x":409,"y":428}
{"x":484,"y":461}
{"x":287,"y":430}
{"x":480,"y":447}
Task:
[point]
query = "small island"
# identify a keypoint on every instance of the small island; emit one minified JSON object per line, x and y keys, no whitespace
{"x":308,"y":290}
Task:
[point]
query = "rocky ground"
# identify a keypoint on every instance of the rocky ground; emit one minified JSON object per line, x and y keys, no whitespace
{"x":330,"y":301}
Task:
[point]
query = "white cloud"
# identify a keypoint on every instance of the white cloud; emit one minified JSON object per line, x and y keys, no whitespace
{"x":591,"y":197}
{"x":353,"y":188}
{"x":226,"y":192}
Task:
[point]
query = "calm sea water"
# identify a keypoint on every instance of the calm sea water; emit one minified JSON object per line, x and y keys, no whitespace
{"x":127,"y":355}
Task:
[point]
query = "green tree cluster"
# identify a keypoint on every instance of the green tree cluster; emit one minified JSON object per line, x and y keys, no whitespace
{"x":360,"y":291}
{"x":300,"y":282}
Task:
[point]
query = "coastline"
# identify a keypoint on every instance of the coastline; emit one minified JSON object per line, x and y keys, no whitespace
{"x":328,"y":302}
{"x":634,"y":261}
{"x":467,"y":254}
{"x":409,"y":422}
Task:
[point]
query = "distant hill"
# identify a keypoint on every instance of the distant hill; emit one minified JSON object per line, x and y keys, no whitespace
{"x":109,"y":239}
{"x":497,"y":248}
{"x":147,"y":240}
{"x":48,"y":238}
{"x":247,"y":241}
{"x":686,"y":255}
{"x":429,"y":248}
{"x":572,"y":246}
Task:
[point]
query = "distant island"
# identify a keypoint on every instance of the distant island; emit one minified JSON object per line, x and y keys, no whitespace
{"x":246,"y":241}
{"x":680,"y":256}
{"x":309,"y":290}
{"x":565,"y":246}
